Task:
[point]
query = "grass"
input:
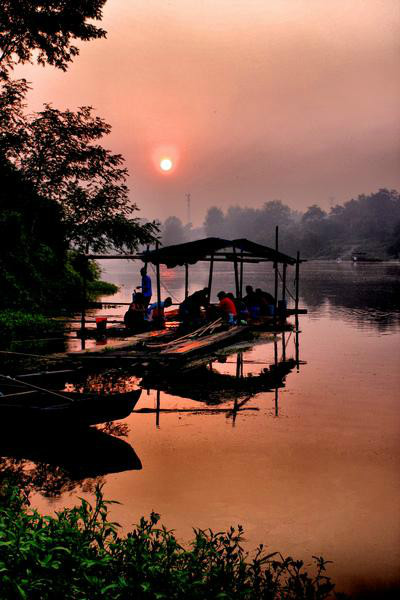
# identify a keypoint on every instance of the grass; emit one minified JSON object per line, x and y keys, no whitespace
{"x":80,"y":554}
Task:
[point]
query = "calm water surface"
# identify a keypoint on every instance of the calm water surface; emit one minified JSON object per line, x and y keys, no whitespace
{"x":309,"y":461}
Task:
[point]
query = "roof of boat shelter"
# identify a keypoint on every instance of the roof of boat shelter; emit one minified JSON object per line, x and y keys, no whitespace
{"x":206,"y":248}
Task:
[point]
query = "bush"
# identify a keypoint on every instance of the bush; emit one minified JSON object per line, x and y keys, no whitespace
{"x":79,"y":554}
{"x":16,"y":325}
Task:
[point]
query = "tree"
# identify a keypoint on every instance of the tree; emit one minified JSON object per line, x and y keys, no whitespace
{"x":46,"y":29}
{"x":59,"y":153}
{"x":173,"y":231}
{"x":214,"y":223}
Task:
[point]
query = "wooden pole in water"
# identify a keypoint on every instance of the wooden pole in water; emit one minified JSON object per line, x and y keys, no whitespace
{"x":235,"y":264}
{"x":210,"y":276}
{"x":158,"y":287}
{"x":158,"y":410}
{"x":297,"y":281}
{"x":276,"y":266}
{"x":84,"y":292}
{"x":186,"y":280}
{"x":241,"y":275}
{"x":284,"y":283}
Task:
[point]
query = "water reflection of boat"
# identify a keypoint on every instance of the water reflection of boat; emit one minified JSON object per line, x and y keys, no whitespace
{"x":88,"y":453}
{"x":26,"y":404}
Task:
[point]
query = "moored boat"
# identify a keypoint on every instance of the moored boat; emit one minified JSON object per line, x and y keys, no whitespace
{"x":25,"y":405}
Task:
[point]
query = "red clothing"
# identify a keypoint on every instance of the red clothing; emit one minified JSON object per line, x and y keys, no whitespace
{"x":227,"y":306}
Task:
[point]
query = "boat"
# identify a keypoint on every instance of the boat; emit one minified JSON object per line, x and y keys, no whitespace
{"x":358,"y":257}
{"x":29,"y":405}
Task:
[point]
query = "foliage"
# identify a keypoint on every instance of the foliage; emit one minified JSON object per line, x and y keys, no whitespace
{"x":80,"y":554}
{"x":60,"y":154}
{"x":367,"y":223}
{"x":17,"y":325}
{"x":45,"y":29}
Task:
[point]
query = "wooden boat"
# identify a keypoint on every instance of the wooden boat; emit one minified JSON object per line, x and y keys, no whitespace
{"x":25,"y":404}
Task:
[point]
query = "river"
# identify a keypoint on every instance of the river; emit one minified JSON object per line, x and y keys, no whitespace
{"x":308,"y":464}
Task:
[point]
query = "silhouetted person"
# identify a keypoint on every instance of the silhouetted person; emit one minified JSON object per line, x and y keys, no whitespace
{"x":155,"y":312}
{"x":227,"y":308}
{"x":146,"y":286}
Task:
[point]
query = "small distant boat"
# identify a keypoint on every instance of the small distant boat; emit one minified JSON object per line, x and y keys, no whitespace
{"x":23,"y":404}
{"x":363,"y":257}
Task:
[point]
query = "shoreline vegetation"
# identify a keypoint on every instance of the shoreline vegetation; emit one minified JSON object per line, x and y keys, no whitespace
{"x":80,"y":553}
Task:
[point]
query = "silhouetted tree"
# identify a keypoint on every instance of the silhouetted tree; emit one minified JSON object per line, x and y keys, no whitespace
{"x":59,"y":152}
{"x":45,"y":29}
{"x":214,"y":222}
{"x":173,"y":231}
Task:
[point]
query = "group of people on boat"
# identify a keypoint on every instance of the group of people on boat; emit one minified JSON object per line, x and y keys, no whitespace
{"x":144,"y":315}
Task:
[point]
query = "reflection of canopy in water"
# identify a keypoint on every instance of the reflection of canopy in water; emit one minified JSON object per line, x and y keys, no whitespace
{"x":211,"y":386}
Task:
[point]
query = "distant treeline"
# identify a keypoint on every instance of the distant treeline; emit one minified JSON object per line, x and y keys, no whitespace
{"x":370,"y":223}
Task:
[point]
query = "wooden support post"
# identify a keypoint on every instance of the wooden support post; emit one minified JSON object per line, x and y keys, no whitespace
{"x":235,"y":264}
{"x":158,"y":410}
{"x":241,"y":276}
{"x":158,"y":288}
{"x":276,"y":267}
{"x":186,"y":280}
{"x":283,"y":346}
{"x":84,"y":293}
{"x":276,"y":375}
{"x":210,"y":276}
{"x":296,"y":342}
{"x":297,"y":281}
{"x":284,"y":283}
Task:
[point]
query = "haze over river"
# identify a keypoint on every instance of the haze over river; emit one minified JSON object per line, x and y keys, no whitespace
{"x":315,"y":469}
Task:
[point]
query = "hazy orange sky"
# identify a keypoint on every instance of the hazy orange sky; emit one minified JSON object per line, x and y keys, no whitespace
{"x":297,"y":100}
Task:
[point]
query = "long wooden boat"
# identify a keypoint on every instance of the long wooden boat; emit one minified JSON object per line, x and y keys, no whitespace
{"x":24,"y":404}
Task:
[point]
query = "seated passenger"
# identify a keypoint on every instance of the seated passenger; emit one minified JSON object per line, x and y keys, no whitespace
{"x":190,"y":309}
{"x":155,"y":313}
{"x":266,"y":302}
{"x":227,"y":308}
{"x":252,"y":302}
{"x":134,"y":317}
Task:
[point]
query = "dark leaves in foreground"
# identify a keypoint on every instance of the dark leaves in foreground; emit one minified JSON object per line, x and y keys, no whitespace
{"x":80,"y":554}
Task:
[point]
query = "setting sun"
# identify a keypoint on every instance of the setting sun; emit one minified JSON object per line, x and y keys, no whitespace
{"x":166,"y":164}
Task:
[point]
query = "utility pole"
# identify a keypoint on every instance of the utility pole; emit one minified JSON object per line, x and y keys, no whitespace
{"x":189,"y":220}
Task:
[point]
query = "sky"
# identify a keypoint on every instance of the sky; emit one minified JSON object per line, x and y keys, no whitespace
{"x":252,"y":100}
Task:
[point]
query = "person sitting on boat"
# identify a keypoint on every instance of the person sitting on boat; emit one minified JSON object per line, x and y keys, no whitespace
{"x":190,"y":310}
{"x":242,"y":314}
{"x":252,"y":302}
{"x":134,"y":317}
{"x":155,"y":312}
{"x":266,"y":302}
{"x":146,"y":286}
{"x":227,"y":308}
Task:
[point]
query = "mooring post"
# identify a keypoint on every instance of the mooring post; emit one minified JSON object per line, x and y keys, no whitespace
{"x":276,"y":267}
{"x":186,"y":280}
{"x":158,"y":288}
{"x":241,"y":275}
{"x":85,"y":267}
{"x":297,"y":282}
{"x":210,"y":276}
{"x":235,"y":264}
{"x":158,"y":410}
{"x":276,"y":375}
{"x":284,"y":284}
{"x":283,"y":346}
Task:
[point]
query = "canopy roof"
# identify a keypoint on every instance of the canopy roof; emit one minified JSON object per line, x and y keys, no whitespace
{"x":192,"y":252}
